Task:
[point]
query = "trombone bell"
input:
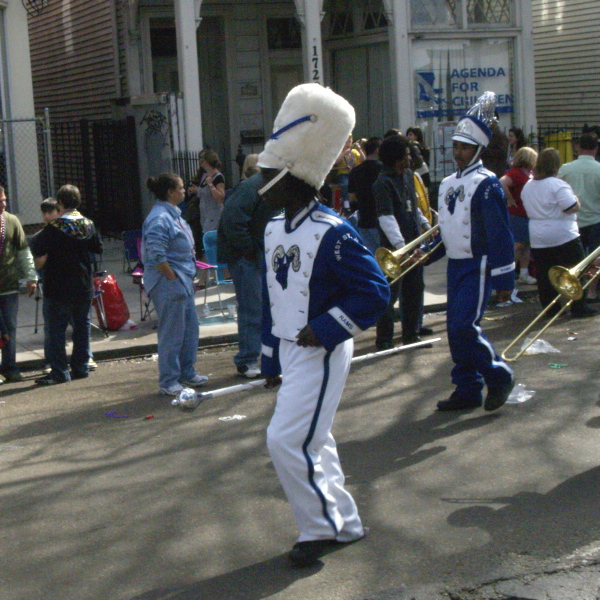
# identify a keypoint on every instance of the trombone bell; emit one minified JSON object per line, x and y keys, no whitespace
{"x":397,"y":263}
{"x":390,"y":262}
{"x":566,"y":282}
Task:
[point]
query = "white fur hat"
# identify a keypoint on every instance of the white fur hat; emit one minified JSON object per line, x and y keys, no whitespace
{"x":308,"y":134}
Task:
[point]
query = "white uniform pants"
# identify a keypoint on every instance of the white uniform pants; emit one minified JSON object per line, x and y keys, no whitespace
{"x":302,"y":447}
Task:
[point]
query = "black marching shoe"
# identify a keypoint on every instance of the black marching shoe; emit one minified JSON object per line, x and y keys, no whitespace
{"x":414,"y":339}
{"x":12,"y":376}
{"x":306,"y":554}
{"x":584,"y":313}
{"x":384,"y":345}
{"x":425,"y":331}
{"x":497,"y":396}
{"x":79,"y":375}
{"x":457,"y":402}
{"x":49,"y":380}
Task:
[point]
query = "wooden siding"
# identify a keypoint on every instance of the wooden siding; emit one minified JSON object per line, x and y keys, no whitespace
{"x":73,"y":62}
{"x":567,"y":62}
{"x":122,"y":58}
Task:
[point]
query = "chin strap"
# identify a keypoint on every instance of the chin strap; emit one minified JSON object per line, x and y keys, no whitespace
{"x":273,"y":181}
{"x":475,"y":158}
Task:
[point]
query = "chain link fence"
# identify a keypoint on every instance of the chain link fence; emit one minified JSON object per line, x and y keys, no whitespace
{"x":26,"y":166}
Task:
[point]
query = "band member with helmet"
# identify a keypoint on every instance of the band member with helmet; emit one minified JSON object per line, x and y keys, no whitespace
{"x":473,"y":220}
{"x":322,"y":287}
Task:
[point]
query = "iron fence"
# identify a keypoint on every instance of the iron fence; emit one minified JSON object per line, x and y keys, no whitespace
{"x":185,"y":164}
{"x":26,"y":165}
{"x":100,"y":158}
{"x":563,"y":138}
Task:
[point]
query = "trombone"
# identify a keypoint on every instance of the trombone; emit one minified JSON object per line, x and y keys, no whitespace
{"x":567,"y":284}
{"x":398,"y":263}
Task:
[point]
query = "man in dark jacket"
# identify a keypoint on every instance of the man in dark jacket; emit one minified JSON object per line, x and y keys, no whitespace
{"x":400,"y":221}
{"x":63,"y":248}
{"x":240,"y":244}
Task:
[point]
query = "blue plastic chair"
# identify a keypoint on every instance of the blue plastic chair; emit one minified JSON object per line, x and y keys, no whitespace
{"x":209,"y":239}
{"x":130,"y":249}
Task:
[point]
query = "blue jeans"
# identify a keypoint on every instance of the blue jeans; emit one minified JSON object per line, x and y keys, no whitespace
{"x":590,"y":237}
{"x":57,"y":317}
{"x":247,"y":279}
{"x":9,"y":305}
{"x":178,"y":331}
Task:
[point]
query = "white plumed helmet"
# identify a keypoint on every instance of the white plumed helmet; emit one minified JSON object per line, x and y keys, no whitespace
{"x":309,"y":133}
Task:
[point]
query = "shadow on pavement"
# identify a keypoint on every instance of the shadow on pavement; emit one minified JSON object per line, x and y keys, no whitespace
{"x":261,"y":580}
{"x":551,"y":524}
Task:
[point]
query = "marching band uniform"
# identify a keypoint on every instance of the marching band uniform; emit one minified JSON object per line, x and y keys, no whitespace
{"x":318,"y":273}
{"x":473,"y":221}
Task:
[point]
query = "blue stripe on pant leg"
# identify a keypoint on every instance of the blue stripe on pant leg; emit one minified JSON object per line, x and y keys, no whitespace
{"x":309,"y":437}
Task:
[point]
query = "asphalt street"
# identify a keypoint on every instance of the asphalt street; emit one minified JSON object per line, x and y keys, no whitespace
{"x":110,"y":493}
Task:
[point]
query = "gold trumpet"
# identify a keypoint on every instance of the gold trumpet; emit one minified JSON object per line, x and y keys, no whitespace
{"x":566,"y":283}
{"x":397,"y":264}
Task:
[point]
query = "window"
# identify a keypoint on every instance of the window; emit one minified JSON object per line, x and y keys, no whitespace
{"x":283,"y":34}
{"x":163,"y":48}
{"x":489,"y":12}
{"x":444,"y":14}
{"x":341,"y":18}
{"x":373,"y":16}
{"x":434,"y":13}
{"x":350,"y":18}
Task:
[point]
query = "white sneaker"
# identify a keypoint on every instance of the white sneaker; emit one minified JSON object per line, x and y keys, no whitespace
{"x":504,"y":304}
{"x":527,"y":280}
{"x":195,"y":381}
{"x":172,"y":390}
{"x":249,"y":371}
{"x":92,"y":366}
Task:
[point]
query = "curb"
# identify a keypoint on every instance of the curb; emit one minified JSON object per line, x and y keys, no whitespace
{"x":146,"y":349}
{"x":135,"y":351}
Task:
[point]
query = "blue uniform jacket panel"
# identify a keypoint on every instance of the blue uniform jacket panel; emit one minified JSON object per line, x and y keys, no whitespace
{"x":341,"y":290}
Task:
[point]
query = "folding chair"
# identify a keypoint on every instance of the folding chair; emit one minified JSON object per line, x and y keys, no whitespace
{"x":137,"y":274}
{"x":209,"y":240}
{"x":99,"y":304}
{"x":130,"y":249}
{"x":146,"y":308}
{"x":39,"y":295}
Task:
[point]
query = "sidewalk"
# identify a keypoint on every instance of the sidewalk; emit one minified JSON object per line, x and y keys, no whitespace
{"x":214,"y":329}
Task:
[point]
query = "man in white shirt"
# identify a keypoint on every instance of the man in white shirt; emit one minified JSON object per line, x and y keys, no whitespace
{"x":583,"y":175}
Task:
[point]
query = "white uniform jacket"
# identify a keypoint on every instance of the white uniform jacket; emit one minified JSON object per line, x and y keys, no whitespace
{"x":317,"y":271}
{"x":473,"y":219}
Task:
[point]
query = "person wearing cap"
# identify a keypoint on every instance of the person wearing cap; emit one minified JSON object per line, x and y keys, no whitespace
{"x":322,"y":287}
{"x":473,"y":220}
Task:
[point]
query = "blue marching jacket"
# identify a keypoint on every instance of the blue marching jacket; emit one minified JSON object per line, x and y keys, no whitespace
{"x":473,"y":220}
{"x":319,"y":272}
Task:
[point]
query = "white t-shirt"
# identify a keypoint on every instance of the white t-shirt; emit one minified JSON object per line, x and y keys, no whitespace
{"x":545,"y":201}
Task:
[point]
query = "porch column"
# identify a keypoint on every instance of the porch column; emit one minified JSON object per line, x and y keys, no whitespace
{"x":397,"y":12}
{"x":526,"y":69}
{"x":310,"y":14}
{"x":187,"y":18}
